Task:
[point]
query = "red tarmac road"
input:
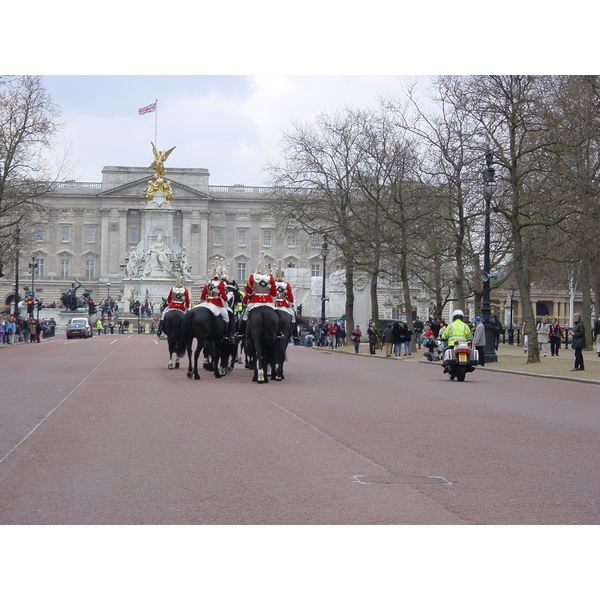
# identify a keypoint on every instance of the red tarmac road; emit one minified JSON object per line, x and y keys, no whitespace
{"x":98,"y":431}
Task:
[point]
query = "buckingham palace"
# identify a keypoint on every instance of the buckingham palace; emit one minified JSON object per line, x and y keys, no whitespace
{"x":101,"y":233}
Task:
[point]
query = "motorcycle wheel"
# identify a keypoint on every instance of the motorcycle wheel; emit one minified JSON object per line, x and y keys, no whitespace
{"x":462,"y":371}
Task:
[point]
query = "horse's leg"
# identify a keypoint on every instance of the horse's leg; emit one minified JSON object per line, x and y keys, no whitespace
{"x":196,"y":356}
{"x":190,"y":372}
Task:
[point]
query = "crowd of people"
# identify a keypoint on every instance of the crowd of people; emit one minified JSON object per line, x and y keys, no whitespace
{"x":18,"y":329}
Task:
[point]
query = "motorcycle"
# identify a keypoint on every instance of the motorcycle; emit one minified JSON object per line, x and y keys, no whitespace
{"x":459,"y":360}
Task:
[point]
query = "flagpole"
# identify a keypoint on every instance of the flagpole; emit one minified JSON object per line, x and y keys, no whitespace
{"x":156,"y":124}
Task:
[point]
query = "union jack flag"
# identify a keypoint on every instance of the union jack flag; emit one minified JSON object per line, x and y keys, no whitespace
{"x":147,"y":109}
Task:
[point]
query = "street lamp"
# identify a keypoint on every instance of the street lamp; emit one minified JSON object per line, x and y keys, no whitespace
{"x":511,"y":331}
{"x":33,"y":267}
{"x":489,"y":186}
{"x":324,"y":253}
{"x":18,"y":247}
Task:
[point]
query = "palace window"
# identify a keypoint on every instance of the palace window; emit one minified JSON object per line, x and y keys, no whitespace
{"x":90,"y":233}
{"x":315,"y":270}
{"x":65,"y":233}
{"x":217,"y":237}
{"x":89,"y":268}
{"x":241,"y":271}
{"x":64,"y":267}
{"x":242,"y":237}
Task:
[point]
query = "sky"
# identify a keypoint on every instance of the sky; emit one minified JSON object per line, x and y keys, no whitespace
{"x":231,"y":125}
{"x":229,"y":79}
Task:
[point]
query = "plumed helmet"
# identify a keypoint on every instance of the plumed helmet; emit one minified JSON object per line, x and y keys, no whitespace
{"x":261,"y":267}
{"x":457,"y":313}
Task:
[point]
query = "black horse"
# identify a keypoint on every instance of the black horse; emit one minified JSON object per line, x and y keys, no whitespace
{"x":284,"y":334}
{"x":172,"y":325}
{"x":202,"y":324}
{"x":261,"y":341}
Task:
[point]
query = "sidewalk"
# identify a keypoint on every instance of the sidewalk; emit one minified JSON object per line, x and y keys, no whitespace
{"x":511,"y":359}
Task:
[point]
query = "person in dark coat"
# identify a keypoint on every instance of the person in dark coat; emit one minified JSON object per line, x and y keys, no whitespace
{"x":373,"y":337}
{"x":578,"y":342}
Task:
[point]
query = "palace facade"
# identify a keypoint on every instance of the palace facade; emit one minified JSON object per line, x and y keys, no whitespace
{"x":98,"y":227}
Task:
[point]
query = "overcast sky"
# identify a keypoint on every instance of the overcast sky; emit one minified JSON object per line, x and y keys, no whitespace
{"x":237,"y":74}
{"x":230,"y":125}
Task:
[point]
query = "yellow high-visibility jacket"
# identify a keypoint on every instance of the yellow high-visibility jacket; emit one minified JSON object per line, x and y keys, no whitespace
{"x":457,"y":331}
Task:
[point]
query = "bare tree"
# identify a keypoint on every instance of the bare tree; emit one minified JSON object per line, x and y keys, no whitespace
{"x":316,"y":186}
{"x":28,"y":122}
{"x":512,"y":112}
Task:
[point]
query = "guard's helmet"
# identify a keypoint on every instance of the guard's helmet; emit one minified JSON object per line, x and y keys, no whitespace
{"x":457,"y":313}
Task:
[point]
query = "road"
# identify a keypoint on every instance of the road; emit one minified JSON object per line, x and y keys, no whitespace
{"x":98,"y":431}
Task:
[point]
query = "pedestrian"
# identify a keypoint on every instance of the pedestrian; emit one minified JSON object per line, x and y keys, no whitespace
{"x":373,"y":337}
{"x":407,"y":338}
{"x":388,"y":340}
{"x":418,"y":329}
{"x":340,"y":336}
{"x":428,"y":341}
{"x":555,"y":336}
{"x":356,"y":335}
{"x":38,"y":331}
{"x":32,"y":337}
{"x":397,"y":338}
{"x":479,"y":340}
{"x":578,"y":342}
{"x":597,"y":334}
{"x":331,"y":332}
{"x":543,"y":334}
{"x":99,"y":326}
{"x":11,"y":329}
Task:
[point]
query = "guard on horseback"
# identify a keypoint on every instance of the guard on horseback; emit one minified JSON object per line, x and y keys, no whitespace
{"x":178,"y":299}
{"x":285,"y":300}
{"x":215,"y":293}
{"x":260,"y":290}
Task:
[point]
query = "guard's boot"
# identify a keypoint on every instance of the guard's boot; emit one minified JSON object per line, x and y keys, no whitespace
{"x":295,"y":333}
{"x":242,"y":328}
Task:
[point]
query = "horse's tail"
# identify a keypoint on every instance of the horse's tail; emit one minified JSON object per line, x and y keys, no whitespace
{"x":184,"y":337}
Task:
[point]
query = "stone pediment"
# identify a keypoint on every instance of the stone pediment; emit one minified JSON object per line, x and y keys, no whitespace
{"x":139,"y":187}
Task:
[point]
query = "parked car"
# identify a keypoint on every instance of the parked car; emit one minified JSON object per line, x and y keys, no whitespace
{"x":79,"y":327}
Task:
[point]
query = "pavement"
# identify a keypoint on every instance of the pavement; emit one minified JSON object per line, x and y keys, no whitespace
{"x":511,"y":359}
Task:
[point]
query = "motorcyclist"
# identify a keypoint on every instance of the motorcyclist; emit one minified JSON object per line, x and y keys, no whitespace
{"x":457,"y":331}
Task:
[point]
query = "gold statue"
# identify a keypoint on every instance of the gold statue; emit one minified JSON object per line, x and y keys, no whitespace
{"x":158,"y":164}
{"x":159,"y":161}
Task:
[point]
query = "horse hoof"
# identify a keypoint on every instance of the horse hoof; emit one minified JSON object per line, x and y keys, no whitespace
{"x":278,"y":378}
{"x":189,"y":375}
{"x":170,"y":366}
{"x":177,"y":365}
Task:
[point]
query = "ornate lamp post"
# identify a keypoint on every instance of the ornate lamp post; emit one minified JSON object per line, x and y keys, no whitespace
{"x":489,"y":184}
{"x":324,"y":253}
{"x":33,"y":267}
{"x":18,"y":246}
{"x":511,"y":331}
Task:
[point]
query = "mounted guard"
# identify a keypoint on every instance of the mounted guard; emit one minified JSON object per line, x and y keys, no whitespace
{"x":178,"y":299}
{"x":285,"y":299}
{"x":214,"y":294}
{"x":261,"y":290}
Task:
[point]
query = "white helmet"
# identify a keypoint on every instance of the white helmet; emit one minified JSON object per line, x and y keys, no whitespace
{"x":458,"y":313}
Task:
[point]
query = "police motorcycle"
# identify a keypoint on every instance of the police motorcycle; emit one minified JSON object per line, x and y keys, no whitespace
{"x":459,"y":359}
